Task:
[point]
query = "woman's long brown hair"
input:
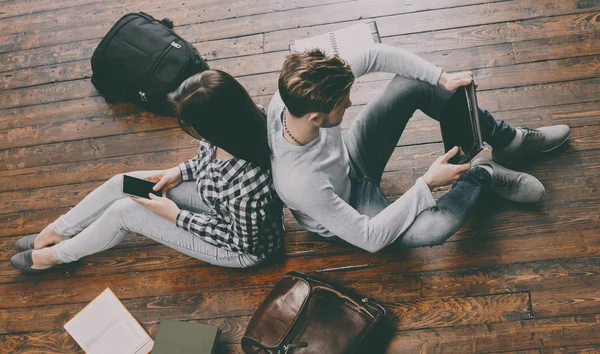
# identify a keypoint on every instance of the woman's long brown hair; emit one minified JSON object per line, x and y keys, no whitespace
{"x":214,"y":106}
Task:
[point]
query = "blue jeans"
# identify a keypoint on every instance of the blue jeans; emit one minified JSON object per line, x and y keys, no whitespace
{"x":372,"y":139}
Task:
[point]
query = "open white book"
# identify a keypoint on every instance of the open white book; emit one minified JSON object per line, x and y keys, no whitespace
{"x":105,"y":326}
{"x":344,"y":42}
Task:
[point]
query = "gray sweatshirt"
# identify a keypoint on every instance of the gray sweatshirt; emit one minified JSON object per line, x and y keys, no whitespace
{"x":313,"y":180}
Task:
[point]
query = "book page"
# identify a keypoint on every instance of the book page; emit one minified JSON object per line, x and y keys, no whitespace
{"x":105,"y":326}
{"x":344,"y":42}
{"x":353,"y":39}
{"x":322,"y":42}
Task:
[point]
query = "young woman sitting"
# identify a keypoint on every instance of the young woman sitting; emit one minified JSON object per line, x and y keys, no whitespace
{"x":219,"y":207}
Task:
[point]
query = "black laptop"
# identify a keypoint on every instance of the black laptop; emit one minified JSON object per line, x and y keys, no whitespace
{"x":460,"y":125}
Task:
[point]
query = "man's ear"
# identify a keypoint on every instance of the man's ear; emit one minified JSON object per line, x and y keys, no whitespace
{"x":316,"y":119}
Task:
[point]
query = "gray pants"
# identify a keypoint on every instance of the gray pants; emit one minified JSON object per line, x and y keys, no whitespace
{"x":104,"y":217}
{"x":372,"y":139}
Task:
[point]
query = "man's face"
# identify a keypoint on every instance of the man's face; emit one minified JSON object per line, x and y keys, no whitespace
{"x":334,"y":118}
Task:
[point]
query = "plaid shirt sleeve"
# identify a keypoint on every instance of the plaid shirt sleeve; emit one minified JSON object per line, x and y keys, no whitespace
{"x":239,"y":235}
{"x":188,"y":168}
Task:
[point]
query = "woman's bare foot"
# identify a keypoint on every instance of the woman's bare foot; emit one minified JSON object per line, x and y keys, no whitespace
{"x":47,"y":237}
{"x":44,"y":258}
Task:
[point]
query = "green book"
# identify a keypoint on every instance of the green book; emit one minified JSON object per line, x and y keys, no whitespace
{"x":175,"y":337}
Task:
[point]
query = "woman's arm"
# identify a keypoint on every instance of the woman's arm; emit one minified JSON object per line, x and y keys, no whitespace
{"x":239,"y":234}
{"x":188,"y":168}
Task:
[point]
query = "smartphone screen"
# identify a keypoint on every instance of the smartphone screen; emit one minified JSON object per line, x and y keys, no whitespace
{"x":139,"y":187}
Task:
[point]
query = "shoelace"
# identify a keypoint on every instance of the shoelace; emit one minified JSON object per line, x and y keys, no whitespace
{"x":533,"y":133}
{"x":503,"y":183}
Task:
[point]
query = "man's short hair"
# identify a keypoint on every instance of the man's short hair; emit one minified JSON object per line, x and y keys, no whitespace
{"x":313,"y":82}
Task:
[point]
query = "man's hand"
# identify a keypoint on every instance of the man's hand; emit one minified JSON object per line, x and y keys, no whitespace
{"x":455,"y":80}
{"x":162,"y":206}
{"x":166,"y":178}
{"x":442,"y":173}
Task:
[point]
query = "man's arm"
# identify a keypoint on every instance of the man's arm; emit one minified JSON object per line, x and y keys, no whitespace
{"x":370,"y":234}
{"x":385,"y":58}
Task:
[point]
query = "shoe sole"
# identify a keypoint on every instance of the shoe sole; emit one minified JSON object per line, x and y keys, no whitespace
{"x":557,"y":146}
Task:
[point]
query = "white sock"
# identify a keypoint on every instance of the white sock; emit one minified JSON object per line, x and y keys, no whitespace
{"x":516,"y":142}
{"x":487,"y":168}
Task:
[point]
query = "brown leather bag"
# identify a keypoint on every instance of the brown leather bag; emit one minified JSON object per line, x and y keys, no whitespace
{"x":305,"y":315}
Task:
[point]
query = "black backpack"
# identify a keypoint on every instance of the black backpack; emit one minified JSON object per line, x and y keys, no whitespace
{"x":141,"y":60}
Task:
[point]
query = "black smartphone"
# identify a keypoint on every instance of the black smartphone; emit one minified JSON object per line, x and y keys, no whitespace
{"x":139,"y":187}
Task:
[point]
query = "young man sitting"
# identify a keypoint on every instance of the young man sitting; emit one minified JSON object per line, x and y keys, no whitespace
{"x":331,"y":183}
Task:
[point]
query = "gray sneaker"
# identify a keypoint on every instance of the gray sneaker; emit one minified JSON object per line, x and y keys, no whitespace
{"x":535,"y":141}
{"x":516,"y":186}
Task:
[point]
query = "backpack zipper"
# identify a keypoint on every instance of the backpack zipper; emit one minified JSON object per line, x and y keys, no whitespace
{"x":173,"y":44}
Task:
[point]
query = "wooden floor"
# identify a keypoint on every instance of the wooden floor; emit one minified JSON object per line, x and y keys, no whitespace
{"x":515,"y":279}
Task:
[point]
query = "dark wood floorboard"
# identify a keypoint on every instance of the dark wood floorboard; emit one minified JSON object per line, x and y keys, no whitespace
{"x":515,"y":279}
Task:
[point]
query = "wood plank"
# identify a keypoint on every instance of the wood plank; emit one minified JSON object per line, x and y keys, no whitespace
{"x":479,"y":14}
{"x":78,"y":129}
{"x":573,"y":349}
{"x":450,"y":312}
{"x":512,"y":278}
{"x":24,"y":223}
{"x":61,"y":111}
{"x":89,"y":149}
{"x":533,"y":29}
{"x":557,"y":47}
{"x":47,"y":93}
{"x":538,"y":73}
{"x":507,"y":336}
{"x":566,"y":300}
{"x":76,"y":172}
{"x":18,"y":8}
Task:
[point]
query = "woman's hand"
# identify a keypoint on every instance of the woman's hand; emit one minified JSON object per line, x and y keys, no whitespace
{"x":442,"y":173}
{"x":162,"y":206}
{"x":166,"y":178}
{"x":455,"y":80}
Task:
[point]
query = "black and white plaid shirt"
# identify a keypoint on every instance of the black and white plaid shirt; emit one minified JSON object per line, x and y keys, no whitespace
{"x":246,"y":213}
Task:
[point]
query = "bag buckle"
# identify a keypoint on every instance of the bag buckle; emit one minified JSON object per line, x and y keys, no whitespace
{"x":286,"y":348}
{"x":176,"y":45}
{"x":143,"y":96}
